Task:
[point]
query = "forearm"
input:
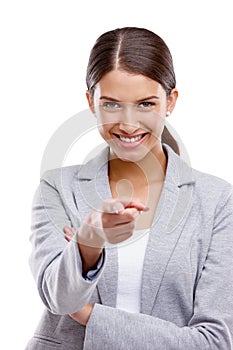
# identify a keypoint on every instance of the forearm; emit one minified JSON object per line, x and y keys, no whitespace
{"x":115,"y":329}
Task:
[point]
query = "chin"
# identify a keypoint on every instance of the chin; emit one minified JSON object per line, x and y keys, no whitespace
{"x":130,"y":156}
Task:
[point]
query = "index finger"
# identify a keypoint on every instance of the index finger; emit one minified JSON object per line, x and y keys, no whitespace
{"x":134,"y":204}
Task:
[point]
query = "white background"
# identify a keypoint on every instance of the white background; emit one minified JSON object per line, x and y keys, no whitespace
{"x":44,"y":50}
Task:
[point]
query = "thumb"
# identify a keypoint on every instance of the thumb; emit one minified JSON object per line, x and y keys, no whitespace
{"x":131,"y":211}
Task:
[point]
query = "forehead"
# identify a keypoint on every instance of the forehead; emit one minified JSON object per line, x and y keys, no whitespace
{"x":125,"y":86}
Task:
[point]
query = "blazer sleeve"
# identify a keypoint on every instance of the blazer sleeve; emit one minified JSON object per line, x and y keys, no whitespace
{"x":211,"y":326}
{"x":56,"y":264}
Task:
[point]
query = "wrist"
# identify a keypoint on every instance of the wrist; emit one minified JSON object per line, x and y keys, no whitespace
{"x":89,"y":256}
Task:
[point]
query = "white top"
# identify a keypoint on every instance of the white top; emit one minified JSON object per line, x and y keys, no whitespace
{"x":130,"y":265}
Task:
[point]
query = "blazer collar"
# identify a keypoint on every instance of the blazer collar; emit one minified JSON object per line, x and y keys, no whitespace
{"x":171,"y":213}
{"x":93,"y":166}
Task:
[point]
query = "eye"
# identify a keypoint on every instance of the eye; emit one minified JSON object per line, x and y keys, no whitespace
{"x":146,"y":105}
{"x":111,"y":106}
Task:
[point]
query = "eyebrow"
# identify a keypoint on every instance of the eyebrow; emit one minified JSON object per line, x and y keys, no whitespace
{"x":141,"y":99}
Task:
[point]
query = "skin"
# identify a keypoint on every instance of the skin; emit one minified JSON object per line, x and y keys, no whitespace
{"x":125,"y":105}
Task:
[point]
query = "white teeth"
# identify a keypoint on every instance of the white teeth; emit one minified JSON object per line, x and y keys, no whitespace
{"x":131,"y":139}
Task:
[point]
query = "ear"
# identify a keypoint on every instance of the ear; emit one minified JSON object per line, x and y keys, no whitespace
{"x":90,"y":102}
{"x":171,"y":100}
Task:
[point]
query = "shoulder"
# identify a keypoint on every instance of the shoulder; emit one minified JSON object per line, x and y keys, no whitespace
{"x":210,"y":183}
{"x":211,"y":191}
{"x":180,"y":172}
{"x":61,"y":175}
{"x":85,"y":171}
{"x":208,"y":190}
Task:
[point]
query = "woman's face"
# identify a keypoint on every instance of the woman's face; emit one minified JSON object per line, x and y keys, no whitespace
{"x":131,"y":111}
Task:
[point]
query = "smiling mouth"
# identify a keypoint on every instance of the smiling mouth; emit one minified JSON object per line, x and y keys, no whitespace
{"x":130,"y":139}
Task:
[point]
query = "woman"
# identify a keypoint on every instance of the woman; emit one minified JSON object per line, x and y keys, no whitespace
{"x":145,"y":261}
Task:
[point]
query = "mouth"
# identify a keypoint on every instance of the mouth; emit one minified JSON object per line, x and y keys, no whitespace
{"x":132,"y":140}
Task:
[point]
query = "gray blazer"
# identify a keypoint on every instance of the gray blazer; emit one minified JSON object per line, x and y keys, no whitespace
{"x":187,"y":283}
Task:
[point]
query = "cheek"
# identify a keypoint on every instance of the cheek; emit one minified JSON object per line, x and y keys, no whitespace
{"x":104,"y":128}
{"x":107,"y":120}
{"x":104,"y":123}
{"x":155,"y":124}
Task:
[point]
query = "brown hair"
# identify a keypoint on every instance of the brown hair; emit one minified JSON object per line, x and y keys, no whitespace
{"x":134,"y":50}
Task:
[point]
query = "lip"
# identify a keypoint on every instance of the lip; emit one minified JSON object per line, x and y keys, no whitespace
{"x":130,"y":145}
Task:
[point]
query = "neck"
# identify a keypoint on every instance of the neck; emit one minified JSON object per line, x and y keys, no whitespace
{"x":150,"y":169}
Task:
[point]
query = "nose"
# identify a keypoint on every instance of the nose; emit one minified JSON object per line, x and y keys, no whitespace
{"x":129,"y":123}
{"x":128,"y":128}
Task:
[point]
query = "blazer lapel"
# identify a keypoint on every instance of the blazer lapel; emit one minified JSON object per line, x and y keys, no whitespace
{"x":173,"y":207}
{"x":91,"y":185}
{"x":107,"y":285}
